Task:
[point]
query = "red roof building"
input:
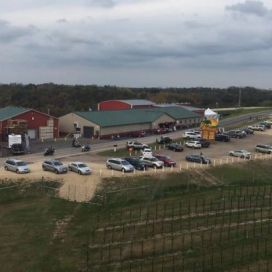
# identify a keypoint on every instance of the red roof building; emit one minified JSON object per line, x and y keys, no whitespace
{"x":37,"y":125}
{"x":125,"y":104}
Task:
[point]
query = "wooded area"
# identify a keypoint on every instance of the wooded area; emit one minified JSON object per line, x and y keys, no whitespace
{"x":62,"y":99}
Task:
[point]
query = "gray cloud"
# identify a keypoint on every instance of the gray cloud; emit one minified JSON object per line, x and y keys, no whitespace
{"x":250,"y":7}
{"x":117,"y":43}
{"x":9,"y":33}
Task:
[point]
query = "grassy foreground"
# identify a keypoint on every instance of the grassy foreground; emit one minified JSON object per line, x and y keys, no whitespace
{"x":217,"y":220}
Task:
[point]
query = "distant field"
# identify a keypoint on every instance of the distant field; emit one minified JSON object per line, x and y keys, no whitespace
{"x":238,"y":112}
{"x":213,"y":220}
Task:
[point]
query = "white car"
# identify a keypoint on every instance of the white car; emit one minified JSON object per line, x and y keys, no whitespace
{"x":80,"y":168}
{"x":193,"y":144}
{"x":257,"y":127}
{"x":152,"y":162}
{"x":191,"y":135}
{"x":243,"y":154}
{"x":147,"y":152}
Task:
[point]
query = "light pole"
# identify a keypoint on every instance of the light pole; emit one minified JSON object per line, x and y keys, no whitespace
{"x":240,"y":98}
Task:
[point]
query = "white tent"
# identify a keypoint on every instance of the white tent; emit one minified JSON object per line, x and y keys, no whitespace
{"x":210,"y":114}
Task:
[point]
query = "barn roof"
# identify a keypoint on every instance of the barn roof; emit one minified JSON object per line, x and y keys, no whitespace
{"x":177,"y":112}
{"x":138,"y":102}
{"x":136,"y":116}
{"x":11,"y":111}
{"x":119,"y":118}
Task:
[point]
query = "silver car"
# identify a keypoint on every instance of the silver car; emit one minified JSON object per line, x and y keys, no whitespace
{"x":54,"y":166}
{"x":152,"y":162}
{"x":17,"y":166}
{"x":80,"y":168}
{"x":244,"y":154}
{"x":119,"y":164}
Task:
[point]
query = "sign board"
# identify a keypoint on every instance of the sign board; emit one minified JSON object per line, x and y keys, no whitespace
{"x":14,"y":139}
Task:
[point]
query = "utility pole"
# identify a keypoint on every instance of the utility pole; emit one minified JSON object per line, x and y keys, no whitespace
{"x":240,"y":98}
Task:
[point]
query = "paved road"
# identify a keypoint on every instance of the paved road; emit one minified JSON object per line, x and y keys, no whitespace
{"x":69,"y":151}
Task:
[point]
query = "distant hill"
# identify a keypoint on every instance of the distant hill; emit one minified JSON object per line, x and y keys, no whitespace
{"x":61,"y":99}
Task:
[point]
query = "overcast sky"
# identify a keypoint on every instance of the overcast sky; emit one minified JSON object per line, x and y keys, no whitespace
{"x":139,"y":43}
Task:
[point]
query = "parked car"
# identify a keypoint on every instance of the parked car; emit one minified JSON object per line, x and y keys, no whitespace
{"x":193,"y":144}
{"x":164,"y":140}
{"x":147,"y":152}
{"x":152,"y":162}
{"x":248,"y":131}
{"x":119,"y":164}
{"x":136,"y":145}
{"x":264,"y":148}
{"x":257,"y":128}
{"x":236,"y":134}
{"x":17,"y":149}
{"x":204,"y":143}
{"x":221,"y":137}
{"x":136,"y":163}
{"x":189,"y":135}
{"x":175,"y":147}
{"x":161,"y":131}
{"x":80,"y":168}
{"x":198,"y":159}
{"x":17,"y":166}
{"x":243,"y":154}
{"x":166,"y":160}
{"x":138,"y":134}
{"x":265,"y":124}
{"x":54,"y":166}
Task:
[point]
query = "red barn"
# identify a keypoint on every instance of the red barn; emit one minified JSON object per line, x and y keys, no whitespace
{"x":36,"y":124}
{"x":125,"y":104}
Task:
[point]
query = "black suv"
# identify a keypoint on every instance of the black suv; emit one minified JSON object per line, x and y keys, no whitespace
{"x":138,"y":165}
{"x":220,"y":137}
{"x":198,"y":159}
{"x":175,"y":147}
{"x":204,"y":143}
{"x":17,"y":149}
{"x":164,"y":140}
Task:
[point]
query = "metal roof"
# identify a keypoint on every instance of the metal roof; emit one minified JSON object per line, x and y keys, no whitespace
{"x":10,"y":111}
{"x":120,"y":118}
{"x":137,"y":102}
{"x":136,"y":116}
{"x":177,"y":112}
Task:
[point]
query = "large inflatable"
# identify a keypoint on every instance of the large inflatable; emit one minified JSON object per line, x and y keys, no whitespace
{"x":209,"y":126}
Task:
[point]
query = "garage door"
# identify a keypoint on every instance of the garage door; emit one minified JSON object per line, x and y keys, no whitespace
{"x":88,"y":132}
{"x":32,"y":133}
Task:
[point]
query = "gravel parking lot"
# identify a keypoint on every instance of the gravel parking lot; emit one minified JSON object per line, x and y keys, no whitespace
{"x":81,"y":188}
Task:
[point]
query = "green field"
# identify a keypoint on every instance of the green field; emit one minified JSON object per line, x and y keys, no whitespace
{"x":213,"y":220}
{"x":238,"y":112}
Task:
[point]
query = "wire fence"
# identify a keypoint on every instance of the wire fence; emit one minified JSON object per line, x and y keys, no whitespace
{"x":226,"y":231}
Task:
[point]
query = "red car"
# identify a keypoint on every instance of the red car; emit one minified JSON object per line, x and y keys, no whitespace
{"x":166,"y":160}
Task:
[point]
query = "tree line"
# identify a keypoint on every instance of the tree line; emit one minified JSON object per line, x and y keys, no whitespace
{"x":62,"y":99}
